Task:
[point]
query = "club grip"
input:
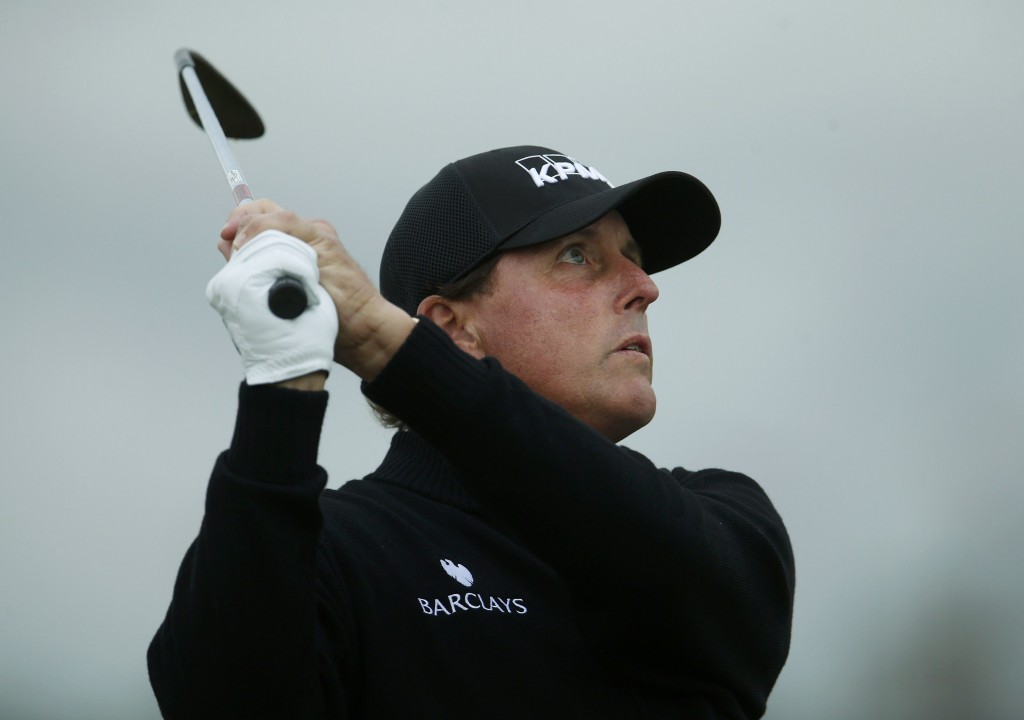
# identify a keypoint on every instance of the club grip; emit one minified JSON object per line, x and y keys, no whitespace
{"x":287,"y":298}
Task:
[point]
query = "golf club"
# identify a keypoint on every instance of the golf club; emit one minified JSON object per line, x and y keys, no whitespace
{"x":219,"y":109}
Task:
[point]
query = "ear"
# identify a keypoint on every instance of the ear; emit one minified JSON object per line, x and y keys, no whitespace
{"x":450,"y":316}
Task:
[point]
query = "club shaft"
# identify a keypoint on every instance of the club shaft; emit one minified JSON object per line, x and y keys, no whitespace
{"x":233,"y":174}
{"x":287,"y":296}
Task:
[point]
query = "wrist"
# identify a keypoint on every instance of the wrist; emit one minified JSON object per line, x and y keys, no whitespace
{"x":388,"y":341}
{"x":313,"y":382}
{"x":372,"y":336}
{"x":277,"y":433}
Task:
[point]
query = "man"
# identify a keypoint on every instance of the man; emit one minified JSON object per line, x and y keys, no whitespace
{"x":507,"y":559}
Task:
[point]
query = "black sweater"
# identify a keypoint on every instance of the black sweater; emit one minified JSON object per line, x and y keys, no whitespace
{"x":503,"y":561}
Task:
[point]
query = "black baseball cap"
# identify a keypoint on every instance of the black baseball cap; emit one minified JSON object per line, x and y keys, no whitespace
{"x":520,"y":196}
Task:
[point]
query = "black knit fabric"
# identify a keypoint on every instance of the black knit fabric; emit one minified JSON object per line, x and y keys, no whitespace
{"x":504,"y":561}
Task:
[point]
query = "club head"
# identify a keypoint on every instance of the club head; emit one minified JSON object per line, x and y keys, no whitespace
{"x":238,"y":118}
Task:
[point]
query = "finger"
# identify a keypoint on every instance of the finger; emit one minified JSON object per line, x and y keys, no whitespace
{"x":252,"y":224}
{"x":229,"y":232}
{"x":310,"y":231}
{"x":324,"y":228}
{"x":240,"y":214}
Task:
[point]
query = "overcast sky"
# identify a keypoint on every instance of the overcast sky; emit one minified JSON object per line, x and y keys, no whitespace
{"x":854,"y":339}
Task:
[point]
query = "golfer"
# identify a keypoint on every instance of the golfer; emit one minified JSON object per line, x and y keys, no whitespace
{"x":507,"y":559}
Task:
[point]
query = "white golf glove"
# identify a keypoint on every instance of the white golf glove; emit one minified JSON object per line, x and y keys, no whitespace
{"x":274,"y":349}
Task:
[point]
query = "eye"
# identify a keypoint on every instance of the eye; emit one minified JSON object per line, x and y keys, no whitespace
{"x":573,"y":255}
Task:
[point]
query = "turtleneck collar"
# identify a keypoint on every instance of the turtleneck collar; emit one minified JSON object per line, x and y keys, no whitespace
{"x":414,"y":464}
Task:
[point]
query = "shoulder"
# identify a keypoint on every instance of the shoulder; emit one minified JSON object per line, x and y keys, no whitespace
{"x":697,"y":478}
{"x":722,"y":492}
{"x":357,"y":497}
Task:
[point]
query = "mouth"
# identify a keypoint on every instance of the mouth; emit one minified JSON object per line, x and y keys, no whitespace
{"x":636,"y":344}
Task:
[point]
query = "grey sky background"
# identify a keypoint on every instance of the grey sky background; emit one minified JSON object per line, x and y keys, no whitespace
{"x":854,"y":339}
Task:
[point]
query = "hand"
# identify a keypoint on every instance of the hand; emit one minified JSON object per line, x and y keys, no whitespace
{"x":371,"y":329}
{"x":274,"y":349}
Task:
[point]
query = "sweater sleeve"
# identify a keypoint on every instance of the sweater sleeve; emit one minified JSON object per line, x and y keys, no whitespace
{"x":682,"y":580}
{"x":240,"y":638}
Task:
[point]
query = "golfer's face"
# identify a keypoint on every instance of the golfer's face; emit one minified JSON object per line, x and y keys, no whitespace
{"x":569,"y":318}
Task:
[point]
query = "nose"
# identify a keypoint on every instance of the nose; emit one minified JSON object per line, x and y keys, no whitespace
{"x":637,"y":290}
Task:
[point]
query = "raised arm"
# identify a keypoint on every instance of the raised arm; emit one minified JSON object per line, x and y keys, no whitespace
{"x":683,"y":580}
{"x":240,"y":638}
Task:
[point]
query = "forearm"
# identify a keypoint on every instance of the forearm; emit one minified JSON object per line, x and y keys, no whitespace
{"x":530,"y":462}
{"x":695,"y":560}
{"x":239,"y":638}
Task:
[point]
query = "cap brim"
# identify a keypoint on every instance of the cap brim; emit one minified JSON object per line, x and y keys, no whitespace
{"x":671,"y":215}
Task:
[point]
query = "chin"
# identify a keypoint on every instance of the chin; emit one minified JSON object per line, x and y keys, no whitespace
{"x":636,"y":414}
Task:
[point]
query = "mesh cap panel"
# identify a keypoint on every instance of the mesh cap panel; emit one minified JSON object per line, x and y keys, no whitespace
{"x":440,"y":236}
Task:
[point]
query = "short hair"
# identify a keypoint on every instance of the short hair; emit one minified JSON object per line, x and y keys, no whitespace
{"x":477,"y":281}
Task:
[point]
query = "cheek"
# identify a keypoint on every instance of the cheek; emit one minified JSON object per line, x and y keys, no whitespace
{"x":541,"y":331}
{"x":518,"y":337}
{"x":529,"y":339}
{"x":553,"y":356}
